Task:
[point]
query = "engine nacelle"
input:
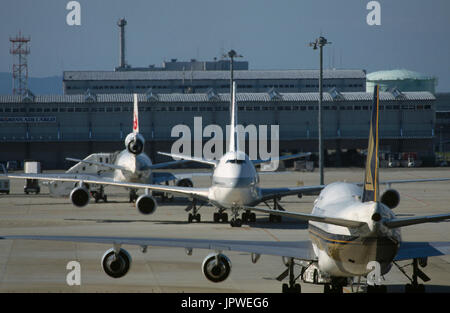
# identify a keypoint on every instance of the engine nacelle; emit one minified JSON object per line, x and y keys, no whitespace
{"x":185,"y":182}
{"x":390,"y":198}
{"x":116,"y":265}
{"x":80,"y":196}
{"x":216,"y":267}
{"x":135,"y":143}
{"x":146,"y":204}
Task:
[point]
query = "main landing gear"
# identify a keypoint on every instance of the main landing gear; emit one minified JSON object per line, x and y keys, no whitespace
{"x":336,"y":285}
{"x":133,"y":195}
{"x":414,"y":286}
{"x":292,"y":286}
{"x":273,"y":218}
{"x":99,"y":194}
{"x":247,"y":217}
{"x":220,"y":217}
{"x":194,"y":216}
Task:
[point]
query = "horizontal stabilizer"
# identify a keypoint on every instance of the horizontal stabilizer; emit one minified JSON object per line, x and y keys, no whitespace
{"x":311,"y":217}
{"x":401,"y":222}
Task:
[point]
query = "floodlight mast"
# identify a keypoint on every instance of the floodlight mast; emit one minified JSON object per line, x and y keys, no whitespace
{"x":320,"y":42}
{"x":231,"y":54}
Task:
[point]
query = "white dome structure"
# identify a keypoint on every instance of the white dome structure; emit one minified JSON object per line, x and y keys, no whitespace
{"x":401,"y":79}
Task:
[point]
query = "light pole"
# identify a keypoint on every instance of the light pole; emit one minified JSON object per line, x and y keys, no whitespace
{"x":232,"y":54}
{"x":320,"y":42}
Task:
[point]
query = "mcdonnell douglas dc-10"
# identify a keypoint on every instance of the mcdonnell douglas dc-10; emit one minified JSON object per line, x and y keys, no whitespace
{"x":131,"y":165}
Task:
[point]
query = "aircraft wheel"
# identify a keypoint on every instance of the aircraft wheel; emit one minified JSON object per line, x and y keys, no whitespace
{"x":216,"y":217}
{"x":224,"y":218}
{"x":190,"y":217}
{"x":236,"y":222}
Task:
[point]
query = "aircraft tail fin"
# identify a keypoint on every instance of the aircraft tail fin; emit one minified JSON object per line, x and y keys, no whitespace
{"x":234,"y":140}
{"x":135,"y":114}
{"x":371,"y":186}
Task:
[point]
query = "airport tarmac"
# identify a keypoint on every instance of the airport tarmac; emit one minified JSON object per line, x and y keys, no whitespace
{"x":40,"y":266}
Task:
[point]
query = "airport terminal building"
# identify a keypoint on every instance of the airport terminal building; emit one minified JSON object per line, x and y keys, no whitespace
{"x":174,"y":80}
{"x":53,"y":127}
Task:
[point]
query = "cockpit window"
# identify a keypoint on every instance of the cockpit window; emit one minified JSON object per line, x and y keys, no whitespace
{"x":235,"y":161}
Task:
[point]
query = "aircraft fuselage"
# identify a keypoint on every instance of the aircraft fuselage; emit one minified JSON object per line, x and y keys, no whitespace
{"x":346,"y":252}
{"x":235,"y":182}
{"x":138,"y":167}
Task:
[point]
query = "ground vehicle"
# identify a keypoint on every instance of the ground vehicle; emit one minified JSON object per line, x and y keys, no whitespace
{"x":32,"y":185}
{"x":4,"y":186}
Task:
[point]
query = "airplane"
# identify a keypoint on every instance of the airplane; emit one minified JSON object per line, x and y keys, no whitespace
{"x":352,"y":231}
{"x":235,"y":181}
{"x":235,"y":184}
{"x":129,"y":165}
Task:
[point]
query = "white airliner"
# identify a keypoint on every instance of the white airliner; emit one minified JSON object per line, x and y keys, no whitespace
{"x":352,"y":230}
{"x":130,"y":165}
{"x":235,"y":183}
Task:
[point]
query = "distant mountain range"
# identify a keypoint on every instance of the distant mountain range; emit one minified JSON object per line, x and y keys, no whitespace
{"x":37,"y":85}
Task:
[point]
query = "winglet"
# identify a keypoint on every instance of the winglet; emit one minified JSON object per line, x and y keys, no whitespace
{"x":371,"y":186}
{"x":135,"y":115}
{"x":234,"y":140}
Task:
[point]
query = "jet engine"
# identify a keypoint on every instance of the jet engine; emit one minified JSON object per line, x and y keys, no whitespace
{"x":80,"y":196}
{"x":390,"y":198}
{"x":135,"y":143}
{"x":185,"y":182}
{"x":146,"y":204}
{"x":116,"y":265}
{"x":216,"y":267}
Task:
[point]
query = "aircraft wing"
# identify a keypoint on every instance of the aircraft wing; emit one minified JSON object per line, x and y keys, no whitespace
{"x":69,"y":177}
{"x":403,"y":181}
{"x":295,"y":249}
{"x":313,"y":218}
{"x":282,"y":158}
{"x":270,"y":193}
{"x":108,"y":165}
{"x":167,"y":164}
{"x":412,"y":250}
{"x":189,"y":158}
{"x":161,"y":177}
{"x":198,"y":193}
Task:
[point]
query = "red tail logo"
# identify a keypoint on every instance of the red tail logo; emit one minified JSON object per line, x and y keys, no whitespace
{"x":135,"y":122}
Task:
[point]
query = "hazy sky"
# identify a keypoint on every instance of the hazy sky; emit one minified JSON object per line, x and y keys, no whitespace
{"x":414,"y":34}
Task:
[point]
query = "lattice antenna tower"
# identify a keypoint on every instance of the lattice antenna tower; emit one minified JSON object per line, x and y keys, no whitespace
{"x":20,"y":50}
